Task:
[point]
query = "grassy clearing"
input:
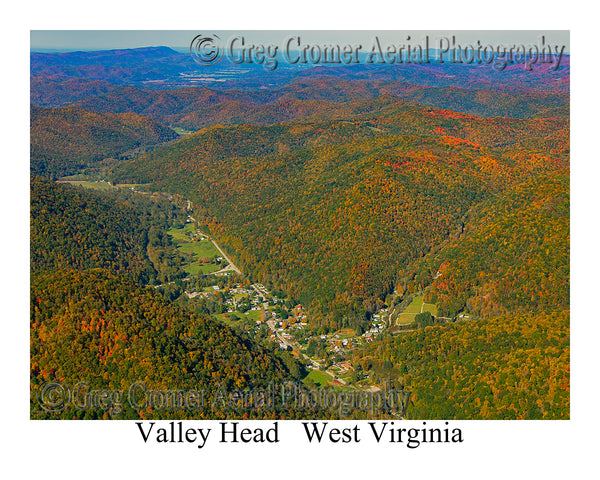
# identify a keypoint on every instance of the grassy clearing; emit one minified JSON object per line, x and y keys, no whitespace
{"x":88,"y":184}
{"x":178,"y":235}
{"x":93,"y":184}
{"x":182,"y":234}
{"x":209,"y":268}
{"x":200,"y":248}
{"x":405,"y":318}
{"x":70,"y":178}
{"x":431,"y":308}
{"x":129,"y":185}
{"x":321,"y":379}
{"x":181,"y":131}
{"x":346,"y":333}
{"x":253,"y":314}
{"x":196,"y":268}
{"x":226,"y":319}
{"x":194,"y":249}
{"x":416,"y":306}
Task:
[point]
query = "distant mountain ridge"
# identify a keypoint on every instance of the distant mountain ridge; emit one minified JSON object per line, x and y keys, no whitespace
{"x":135,"y":65}
{"x":194,"y":108}
{"x":163,"y":67}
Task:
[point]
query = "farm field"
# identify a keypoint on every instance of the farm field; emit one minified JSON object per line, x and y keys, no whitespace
{"x":416,"y":306}
{"x":194,"y":249}
{"x":89,"y":184}
{"x":83,"y":181}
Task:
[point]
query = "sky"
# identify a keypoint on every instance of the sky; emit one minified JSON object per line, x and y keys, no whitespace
{"x":117,"y":39}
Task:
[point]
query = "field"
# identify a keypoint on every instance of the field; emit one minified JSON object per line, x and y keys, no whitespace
{"x":181,"y":131}
{"x":89,"y":184}
{"x":194,"y":249}
{"x":243,"y":318}
{"x":199,"y":248}
{"x":346,"y":333}
{"x":129,"y":185}
{"x":226,"y":319}
{"x":72,"y":178}
{"x":182,"y":234}
{"x":416,"y":306}
{"x":321,"y":379}
{"x":252,"y":314}
{"x":83,"y":181}
{"x":196,"y":268}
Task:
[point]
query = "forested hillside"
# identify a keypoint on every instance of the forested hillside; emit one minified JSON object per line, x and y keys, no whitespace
{"x":93,"y":319}
{"x":509,"y":367}
{"x":334,"y":212}
{"x":59,"y":91}
{"x":329,"y":97}
{"x":513,"y":255}
{"x":119,"y":231}
{"x":67,"y":140}
{"x":92,"y":326}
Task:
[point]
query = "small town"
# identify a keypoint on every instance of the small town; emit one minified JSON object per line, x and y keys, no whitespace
{"x":252,"y":309}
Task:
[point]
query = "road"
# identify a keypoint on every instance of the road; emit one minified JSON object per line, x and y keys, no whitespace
{"x":272,"y":324}
{"x":230,"y":266}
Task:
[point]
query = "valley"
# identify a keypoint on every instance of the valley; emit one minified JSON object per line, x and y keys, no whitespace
{"x":342,"y":228}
